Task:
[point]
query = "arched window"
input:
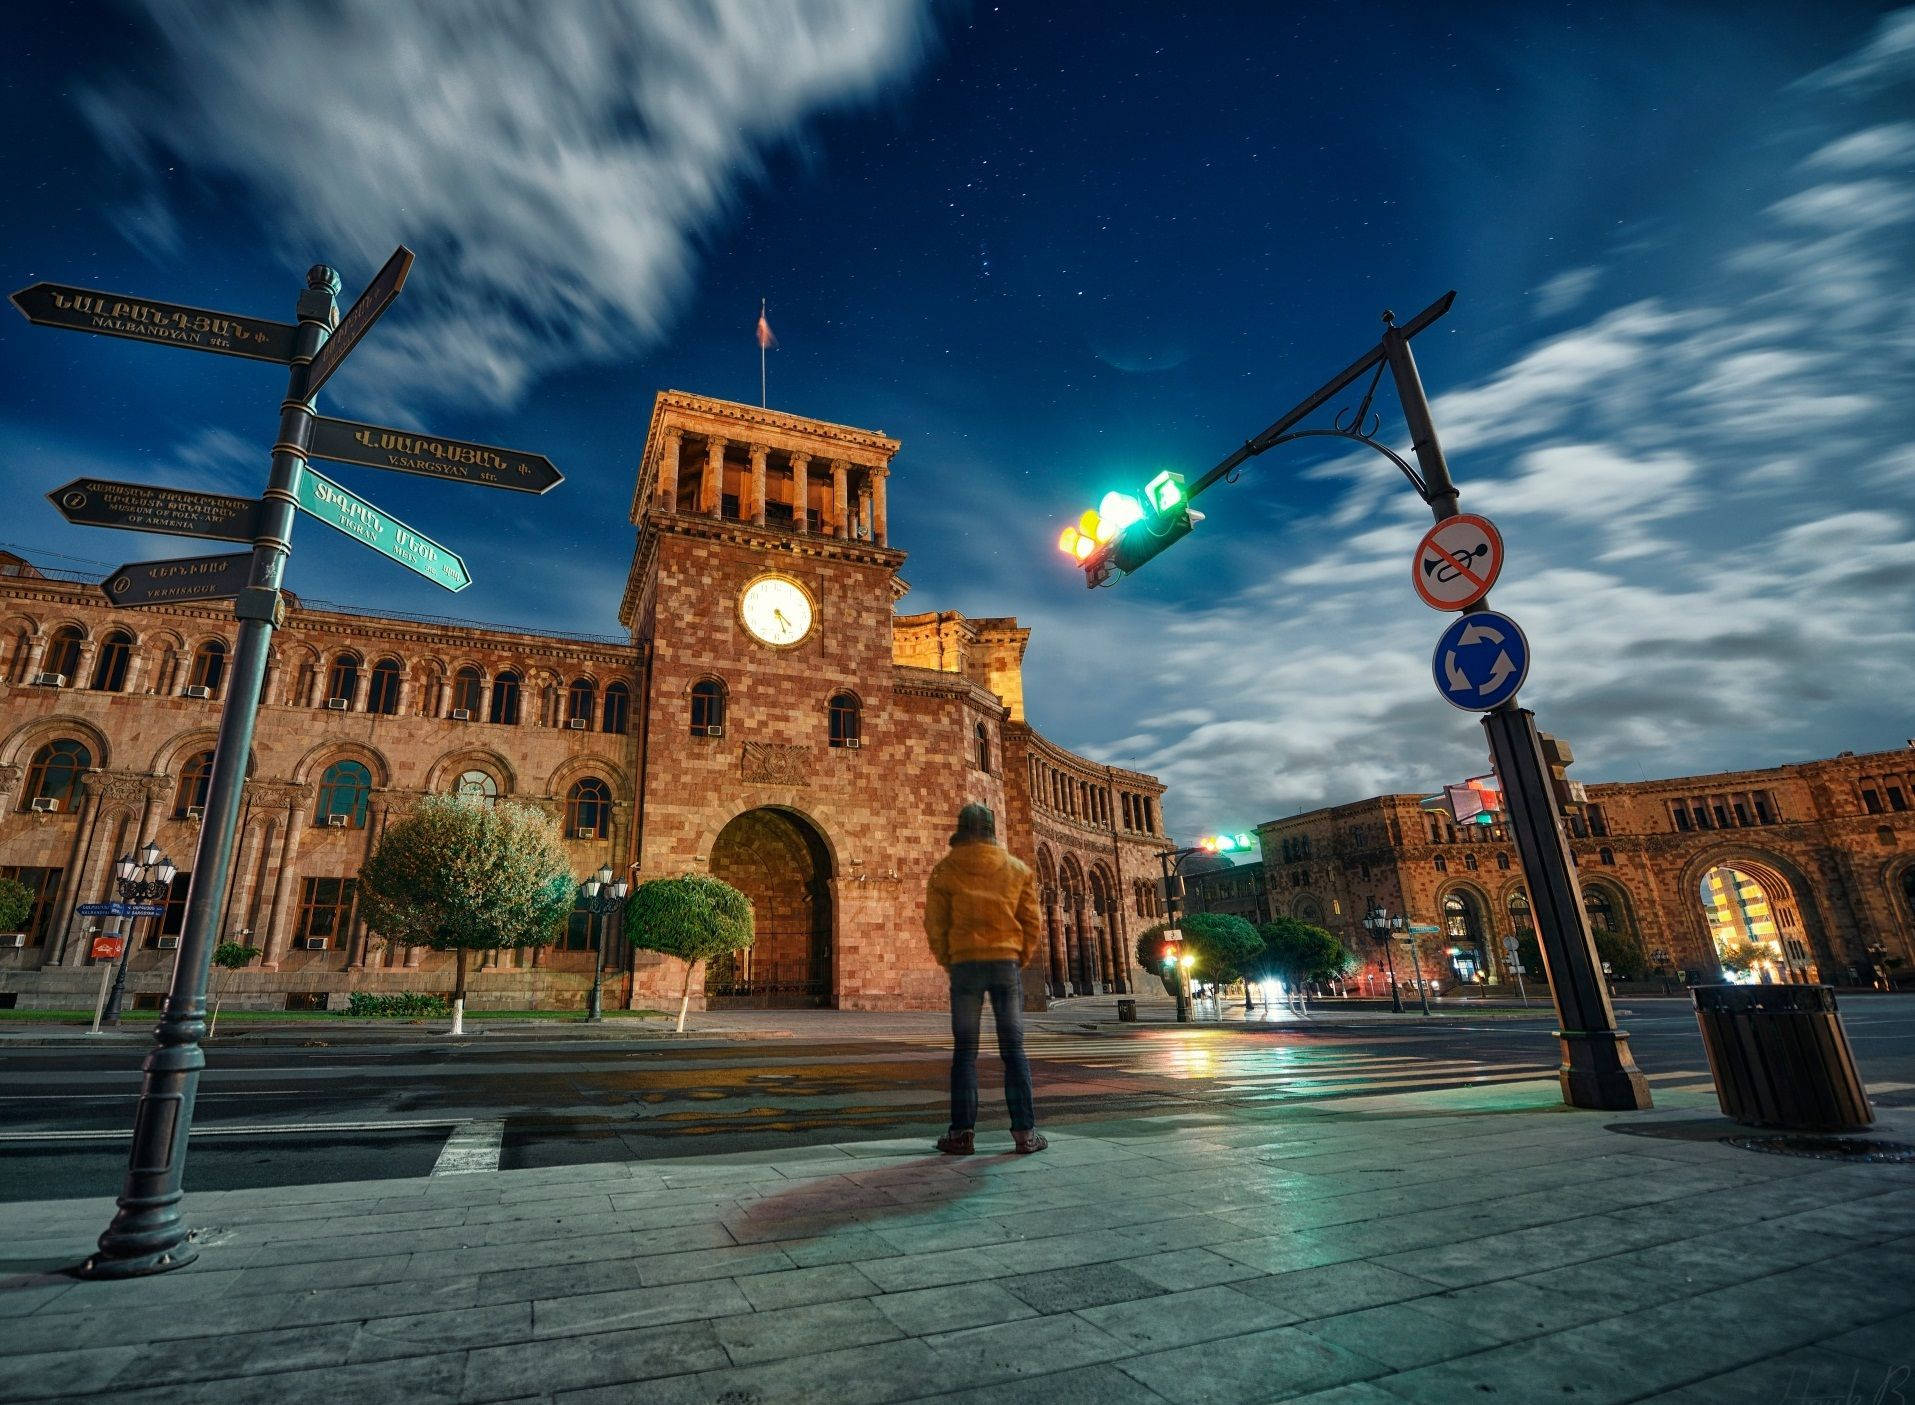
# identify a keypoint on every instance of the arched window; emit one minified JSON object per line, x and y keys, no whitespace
{"x":983,"y":736}
{"x":209,"y":667}
{"x":476,"y":785}
{"x":466,"y":686}
{"x":1442,"y":864}
{"x":109,"y":669}
{"x":63,"y":653}
{"x":846,"y":720}
{"x":1519,"y":918}
{"x":53,"y":777}
{"x":343,"y":681}
{"x":505,"y":700}
{"x":1606,"y":855}
{"x":588,"y":809}
{"x":1469,"y":862}
{"x":1601,"y":909}
{"x":581,"y":700}
{"x":191,"y":794}
{"x":382,"y":695}
{"x":343,"y":792}
{"x":708,"y":708}
{"x":1502,"y":860}
{"x":618,"y":709}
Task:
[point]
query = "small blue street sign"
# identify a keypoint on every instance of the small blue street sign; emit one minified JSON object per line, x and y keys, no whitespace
{"x":1480,"y":661}
{"x":103,"y":909}
{"x":146,"y":909}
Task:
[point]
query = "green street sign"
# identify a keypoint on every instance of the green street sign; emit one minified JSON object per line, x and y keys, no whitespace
{"x":349,"y":513}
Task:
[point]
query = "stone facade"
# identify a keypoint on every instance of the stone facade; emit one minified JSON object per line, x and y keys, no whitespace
{"x":820,"y":773}
{"x":1830,"y":842}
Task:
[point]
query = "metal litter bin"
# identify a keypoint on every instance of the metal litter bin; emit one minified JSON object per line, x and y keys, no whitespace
{"x":1779,"y":1057}
{"x":1127,"y":1011}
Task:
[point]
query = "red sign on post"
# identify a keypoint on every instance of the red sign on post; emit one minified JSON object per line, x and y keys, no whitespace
{"x":1457,"y":562}
{"x":108,"y":948}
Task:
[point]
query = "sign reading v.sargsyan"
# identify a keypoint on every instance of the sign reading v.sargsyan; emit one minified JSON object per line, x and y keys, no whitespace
{"x":372,"y":446}
{"x":148,"y":320}
{"x":348,"y":512}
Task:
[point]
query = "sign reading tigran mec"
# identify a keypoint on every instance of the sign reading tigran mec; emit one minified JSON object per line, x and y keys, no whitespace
{"x":346,"y":510}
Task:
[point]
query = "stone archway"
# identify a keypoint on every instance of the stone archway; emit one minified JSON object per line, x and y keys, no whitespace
{"x":779,"y":860}
{"x":1754,"y":921}
{"x":1466,"y":934}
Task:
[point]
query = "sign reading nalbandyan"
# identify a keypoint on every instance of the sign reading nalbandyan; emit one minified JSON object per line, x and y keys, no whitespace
{"x":147,"y":319}
{"x":180,"y":581}
{"x":348,"y":512}
{"x":371,"y":446}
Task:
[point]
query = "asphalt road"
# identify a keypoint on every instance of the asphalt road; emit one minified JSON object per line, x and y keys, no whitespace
{"x":322,"y":1109}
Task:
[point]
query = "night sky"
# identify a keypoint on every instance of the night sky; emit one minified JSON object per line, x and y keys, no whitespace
{"x":1054,"y":248}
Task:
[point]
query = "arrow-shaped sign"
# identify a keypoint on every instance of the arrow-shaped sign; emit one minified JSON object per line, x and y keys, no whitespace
{"x":144,"y":319}
{"x":359,"y":318}
{"x":180,"y":581}
{"x":372,"y":446}
{"x":1500,"y":670}
{"x":1459,"y":680}
{"x":359,"y":519}
{"x":1479,"y":634}
{"x":140,"y":507}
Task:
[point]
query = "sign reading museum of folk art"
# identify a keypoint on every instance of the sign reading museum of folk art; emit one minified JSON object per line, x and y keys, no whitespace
{"x":359,"y":519}
{"x":180,"y":581}
{"x":371,"y":446}
{"x":173,"y":512}
{"x":147,"y":319}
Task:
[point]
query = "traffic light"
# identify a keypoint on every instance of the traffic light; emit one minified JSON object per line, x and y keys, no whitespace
{"x":1173,"y":946}
{"x":1122,"y":533}
{"x":1227,"y":843}
{"x":1478,"y":800}
{"x":1570,"y":795}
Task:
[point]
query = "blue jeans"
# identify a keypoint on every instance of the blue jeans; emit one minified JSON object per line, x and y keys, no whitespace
{"x":971,"y":981}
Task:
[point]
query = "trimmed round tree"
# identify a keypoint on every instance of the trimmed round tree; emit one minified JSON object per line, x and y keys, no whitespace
{"x":1222,"y":945}
{"x":1296,"y":951}
{"x":463,"y":875}
{"x":694,"y":917}
{"x":16,"y":904}
{"x":229,"y":956}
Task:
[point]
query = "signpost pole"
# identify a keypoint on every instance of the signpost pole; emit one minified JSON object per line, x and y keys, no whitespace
{"x":1597,"y":1069}
{"x":123,"y":928}
{"x":99,"y":1006}
{"x":148,"y":1234}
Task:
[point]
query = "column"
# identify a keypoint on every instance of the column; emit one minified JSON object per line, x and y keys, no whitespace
{"x":356,"y":939}
{"x":93,"y":851}
{"x":285,"y":883}
{"x":83,"y":670}
{"x":672,"y":446}
{"x":840,"y":498}
{"x":711,"y":488}
{"x":879,"y":528}
{"x":1060,"y":980}
{"x":404,"y":700}
{"x":362,"y":688}
{"x":758,"y":452}
{"x":483,"y":711}
{"x":801,"y":492}
{"x":35,"y":655}
{"x":268,"y":688}
{"x":239,"y":893}
{"x":863,"y":529}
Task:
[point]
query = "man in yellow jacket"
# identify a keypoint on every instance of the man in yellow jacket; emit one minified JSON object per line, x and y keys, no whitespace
{"x":980,"y":912}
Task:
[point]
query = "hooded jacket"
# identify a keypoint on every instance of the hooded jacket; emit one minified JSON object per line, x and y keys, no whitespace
{"x":981,"y":905}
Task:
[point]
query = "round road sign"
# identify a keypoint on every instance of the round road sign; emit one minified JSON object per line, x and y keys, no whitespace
{"x":1457,"y":562}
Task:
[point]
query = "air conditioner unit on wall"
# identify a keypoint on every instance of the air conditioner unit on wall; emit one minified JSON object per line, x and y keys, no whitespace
{"x":166,"y":943}
{"x":13,"y":939}
{"x":198,"y":690}
{"x":46,"y":804}
{"x":586,"y":834}
{"x":338,"y":704}
{"x":578,"y":724}
{"x":338,"y":821}
{"x":715,"y":730}
{"x":49,"y":680}
{"x":195,"y":812}
{"x":461,"y":714}
{"x":315,"y":943}
{"x":853,"y":742}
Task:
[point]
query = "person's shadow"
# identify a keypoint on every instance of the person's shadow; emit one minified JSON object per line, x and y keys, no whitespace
{"x":899,"y":1190}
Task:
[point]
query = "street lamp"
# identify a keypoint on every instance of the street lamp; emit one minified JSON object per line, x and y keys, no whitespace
{"x":143,"y":879}
{"x":600,"y":897}
{"x":1173,"y":907}
{"x":1380,"y":921}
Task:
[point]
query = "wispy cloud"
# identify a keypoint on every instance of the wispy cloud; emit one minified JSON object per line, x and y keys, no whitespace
{"x":1563,"y":292}
{"x":554,"y":164}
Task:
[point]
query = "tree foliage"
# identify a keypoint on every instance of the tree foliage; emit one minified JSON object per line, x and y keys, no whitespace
{"x":1296,"y":951}
{"x":16,"y":904}
{"x":234,"y":956}
{"x":463,"y":875}
{"x":1625,"y":958}
{"x":1224,"y":946}
{"x":694,"y":917}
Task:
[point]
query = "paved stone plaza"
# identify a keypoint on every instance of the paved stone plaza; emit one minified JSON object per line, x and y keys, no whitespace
{"x":1434,"y":1246}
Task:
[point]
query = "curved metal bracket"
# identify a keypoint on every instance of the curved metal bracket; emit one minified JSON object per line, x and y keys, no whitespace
{"x":1416,"y":480}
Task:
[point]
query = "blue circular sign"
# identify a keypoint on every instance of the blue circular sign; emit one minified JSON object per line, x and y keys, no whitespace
{"x":1480,"y":662}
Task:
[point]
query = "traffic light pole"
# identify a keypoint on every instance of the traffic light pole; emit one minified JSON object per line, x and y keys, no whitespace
{"x":1173,"y":909}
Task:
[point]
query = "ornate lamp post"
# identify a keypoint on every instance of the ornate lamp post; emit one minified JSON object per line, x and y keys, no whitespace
{"x":145,"y":879}
{"x":600,"y":897}
{"x":1380,"y":921}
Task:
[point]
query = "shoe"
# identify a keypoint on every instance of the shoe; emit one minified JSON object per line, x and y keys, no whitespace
{"x":1028,"y":1142}
{"x":956,"y":1143}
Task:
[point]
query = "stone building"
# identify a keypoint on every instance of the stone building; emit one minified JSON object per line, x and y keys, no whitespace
{"x":1817,"y":859}
{"x":767,"y":715}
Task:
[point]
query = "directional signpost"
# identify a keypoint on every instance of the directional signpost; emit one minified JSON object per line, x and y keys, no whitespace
{"x":1481,"y":661}
{"x":371,"y":446}
{"x":1457,"y":562}
{"x":172,"y":512}
{"x":148,"y":1234}
{"x":388,"y":536}
{"x":144,"y":319}
{"x":181,"y":581}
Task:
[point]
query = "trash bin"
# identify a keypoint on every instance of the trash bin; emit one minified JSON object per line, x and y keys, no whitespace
{"x":1779,"y":1057}
{"x":1127,"y":1011}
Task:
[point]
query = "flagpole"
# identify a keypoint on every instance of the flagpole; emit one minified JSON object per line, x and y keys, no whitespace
{"x":763,"y":403}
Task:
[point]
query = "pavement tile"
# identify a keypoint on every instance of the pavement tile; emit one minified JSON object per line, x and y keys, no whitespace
{"x":418,"y":1380}
{"x":768,"y":1292}
{"x":428,"y":1333}
{"x":1027,"y":1346}
{"x":1178,"y":1319}
{"x":1335,"y":1288}
{"x":1807,"y":1374}
{"x":1282,"y":1253}
{"x":1543,"y":1368}
{"x":1189,"y":1268}
{"x":1399,"y":1336}
{"x":1887,"y":1342}
{"x":56,"y":1375}
{"x":1088,"y":1285}
{"x":193,"y":1317}
{"x":861,"y":1375}
{"x":350,"y":1225}
{"x":922,"y":1311}
{"x":709,"y":1263}
{"x":1088,"y":1385}
{"x":617,"y":1358}
{"x":28,"y":1293}
{"x":1517,"y":1252}
{"x":842,"y":1247}
{"x":356,"y":1304}
{"x":1356,"y":1393}
{"x":1273,"y":1365}
{"x":247,"y":1353}
{"x":1513,"y":1309}
{"x":796,"y":1331}
{"x":291,"y":1277}
{"x":570,"y":1315}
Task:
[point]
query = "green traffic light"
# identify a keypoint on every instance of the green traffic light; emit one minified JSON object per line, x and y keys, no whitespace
{"x":1165,"y":491}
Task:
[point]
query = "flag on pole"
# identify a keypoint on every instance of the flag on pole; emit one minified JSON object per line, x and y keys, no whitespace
{"x":765,"y":339}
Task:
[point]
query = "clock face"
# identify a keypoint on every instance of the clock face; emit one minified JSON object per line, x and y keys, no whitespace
{"x":777,"y":611}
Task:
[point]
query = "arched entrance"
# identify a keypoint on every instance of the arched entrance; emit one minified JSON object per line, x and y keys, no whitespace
{"x":1755,"y":923}
{"x":1466,"y":931}
{"x":778,"y":859}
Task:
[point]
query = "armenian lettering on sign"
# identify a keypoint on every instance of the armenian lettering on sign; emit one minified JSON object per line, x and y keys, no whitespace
{"x":141,"y":507}
{"x":357,"y":518}
{"x":179,"y":582}
{"x":144,"y":319}
{"x":107,"y":948}
{"x":359,"y":318}
{"x":371,"y":446}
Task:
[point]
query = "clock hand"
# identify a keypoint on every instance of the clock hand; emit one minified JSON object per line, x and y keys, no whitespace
{"x":779,"y":615}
